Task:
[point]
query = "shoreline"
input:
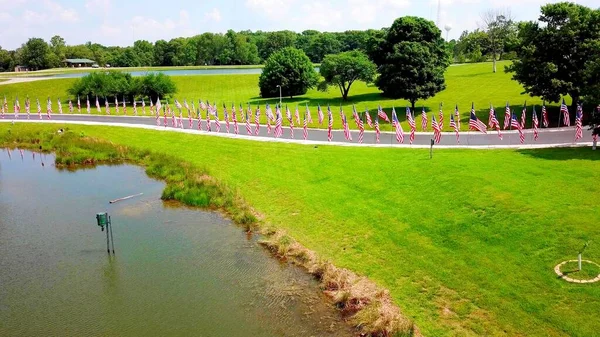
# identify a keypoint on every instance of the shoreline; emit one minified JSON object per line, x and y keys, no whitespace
{"x":359,"y":300}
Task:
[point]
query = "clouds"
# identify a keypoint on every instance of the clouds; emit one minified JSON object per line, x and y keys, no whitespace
{"x":214,"y":15}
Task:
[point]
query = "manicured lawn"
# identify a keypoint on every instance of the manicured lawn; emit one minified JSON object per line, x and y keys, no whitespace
{"x":465,"y":84}
{"x":466,"y":242}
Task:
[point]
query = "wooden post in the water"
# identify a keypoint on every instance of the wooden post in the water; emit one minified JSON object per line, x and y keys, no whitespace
{"x":107,"y":240}
{"x":111,"y":236}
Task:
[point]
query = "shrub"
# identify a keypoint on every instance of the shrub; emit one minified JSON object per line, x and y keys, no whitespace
{"x":290,"y":68}
{"x":154,"y":85}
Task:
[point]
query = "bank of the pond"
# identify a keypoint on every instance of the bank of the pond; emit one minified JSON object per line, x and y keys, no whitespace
{"x":368,"y":306}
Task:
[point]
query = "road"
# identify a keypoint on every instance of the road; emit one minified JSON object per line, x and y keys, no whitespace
{"x":563,"y":136}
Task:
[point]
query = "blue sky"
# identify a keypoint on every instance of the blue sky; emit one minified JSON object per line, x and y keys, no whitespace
{"x":120,"y":22}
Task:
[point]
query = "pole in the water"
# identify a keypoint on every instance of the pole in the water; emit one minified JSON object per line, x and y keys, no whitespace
{"x":104,"y":220}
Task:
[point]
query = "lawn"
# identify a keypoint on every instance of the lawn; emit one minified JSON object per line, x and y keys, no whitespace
{"x":465,"y":84}
{"x":466,"y":243}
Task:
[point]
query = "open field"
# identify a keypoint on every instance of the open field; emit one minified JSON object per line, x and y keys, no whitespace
{"x":466,"y":243}
{"x":465,"y":84}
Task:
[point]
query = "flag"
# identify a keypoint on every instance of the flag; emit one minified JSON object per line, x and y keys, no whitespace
{"x":98,"y":105}
{"x":290,"y":120}
{"x":217,"y":122}
{"x":144,"y":106}
{"x":106,"y":106}
{"x":278,"y":123}
{"x":377,"y":131}
{"x":248,"y":129}
{"x":347,"y":133}
{"x":423,"y":119}
{"x":257,"y":121}
{"x":39,"y":108}
{"x":202,"y":105}
{"x":437,"y":135}
{"x":523,"y":116}
{"x":369,"y":120}
{"x":199,"y":116}
{"x":441,"y":115}
{"x":564,"y":110}
{"x":330,"y":125}
{"x":545,"y":121}
{"x":135,"y":107}
{"x":59,"y":107}
{"x":78,"y":105}
{"x":507,"y":116}
{"x":457,"y":115}
{"x":515,"y":124}
{"x":226,"y":117}
{"x":236,"y":129}
{"x":320,"y":113}
{"x":208,"y":128}
{"x":411,"y":122}
{"x":17,"y":108}
{"x":70,"y":107}
{"x":28,"y":107}
{"x":493,"y":121}
{"x":158,"y":105}
{"x":297,"y":115}
{"x":397,"y":126}
{"x":4,"y":107}
{"x":474,"y":123}
{"x":269,"y":113}
{"x":305,"y":129}
{"x":49,"y":108}
{"x":359,"y":124}
{"x":535,"y":121}
{"x":88,"y":104}
{"x":308,"y":114}
{"x":116,"y":106}
{"x":382,"y":114}
{"x":124,"y":107}
{"x":455,"y":127}
{"x":578,"y":124}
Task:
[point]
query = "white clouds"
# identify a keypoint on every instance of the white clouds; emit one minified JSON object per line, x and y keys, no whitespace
{"x":213,"y":15}
{"x":366,"y":12}
{"x":318,"y":15}
{"x":62,"y":14}
{"x":98,"y":6}
{"x":270,"y":7}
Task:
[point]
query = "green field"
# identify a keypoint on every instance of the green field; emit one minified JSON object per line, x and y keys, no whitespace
{"x":466,"y":243}
{"x":465,"y":84}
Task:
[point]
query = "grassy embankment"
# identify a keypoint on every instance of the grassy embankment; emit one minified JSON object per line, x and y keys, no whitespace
{"x":465,"y":84}
{"x":466,"y":243}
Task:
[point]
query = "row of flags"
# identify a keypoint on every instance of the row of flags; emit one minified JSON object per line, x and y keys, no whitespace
{"x":230,"y":116}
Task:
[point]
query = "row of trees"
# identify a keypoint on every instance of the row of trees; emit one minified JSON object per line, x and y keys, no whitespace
{"x":231,"y":48}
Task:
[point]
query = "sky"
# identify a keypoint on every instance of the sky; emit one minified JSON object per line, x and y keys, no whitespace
{"x":120,"y":22}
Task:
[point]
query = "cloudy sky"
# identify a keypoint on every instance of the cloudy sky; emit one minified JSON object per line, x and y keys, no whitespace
{"x":120,"y":22}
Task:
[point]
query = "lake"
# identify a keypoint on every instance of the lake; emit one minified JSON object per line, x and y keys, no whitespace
{"x":177,"y":271}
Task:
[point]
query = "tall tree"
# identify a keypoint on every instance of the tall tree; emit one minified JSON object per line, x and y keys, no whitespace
{"x":498,"y":23}
{"x":57,"y":45}
{"x":345,"y":68}
{"x":289,"y":68}
{"x":144,"y":51}
{"x":559,"y":55}
{"x":34,"y":53}
{"x":412,"y":59}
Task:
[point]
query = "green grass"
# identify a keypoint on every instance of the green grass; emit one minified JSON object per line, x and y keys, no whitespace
{"x":465,"y":84}
{"x":466,"y":243}
{"x":588,"y":271}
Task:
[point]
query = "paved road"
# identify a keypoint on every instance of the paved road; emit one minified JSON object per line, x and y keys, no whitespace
{"x":547,"y":137}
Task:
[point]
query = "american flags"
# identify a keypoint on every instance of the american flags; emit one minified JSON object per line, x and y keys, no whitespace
{"x":98,"y":105}
{"x":70,"y":107}
{"x":578,"y":124}
{"x":144,"y":106}
{"x":455,"y":127}
{"x":423,"y":119}
{"x":507,"y":116}
{"x":437,"y":132}
{"x":308,"y":114}
{"x":545,"y":121}
{"x":305,"y":129}
{"x":17,"y":108}
{"x":368,"y":117}
{"x":202,"y":105}
{"x":257,"y":121}
{"x":457,"y":115}
{"x":493,"y":121}
{"x":297,"y":115}
{"x":565,"y":112}
{"x":217,"y":122}
{"x":88,"y":104}
{"x":359,"y":124}
{"x":347,"y":133}
{"x":248,"y":129}
{"x":106,"y":106}
{"x":135,"y":108}
{"x":225,"y":116}
{"x":39,"y":108}
{"x":49,"y":108}
{"x":441,"y":115}
{"x":524,"y":116}
{"x":330,"y":125}
{"x":382,"y":114}
{"x":4,"y":107}
{"x":515,"y":124}
{"x":377,"y":131}
{"x":320,"y":113}
{"x":208,"y":128}
{"x":59,"y":107}
{"x":411,"y":122}
{"x":78,"y":105}
{"x":536,"y":123}
{"x":236,"y":129}
{"x":474,"y":123}
{"x":269,"y":115}
{"x":278,"y":122}
{"x":28,"y":107}
{"x":124,"y":106}
{"x":290,"y":120}
{"x":397,"y":127}
{"x":116,"y":106}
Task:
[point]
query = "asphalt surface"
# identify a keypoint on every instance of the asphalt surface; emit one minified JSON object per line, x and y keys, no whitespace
{"x":551,"y":137}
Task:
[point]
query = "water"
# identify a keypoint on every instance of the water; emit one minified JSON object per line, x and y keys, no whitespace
{"x":178,"y":72}
{"x":177,"y":271}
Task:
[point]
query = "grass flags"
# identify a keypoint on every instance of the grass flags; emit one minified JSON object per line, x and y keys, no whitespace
{"x":297,"y":115}
{"x":49,"y":108}
{"x":39,"y":108}
{"x":144,"y":106}
{"x":545,"y":121}
{"x":28,"y":107}
{"x":88,"y":104}
{"x":564,"y":111}
{"x":377,"y":131}
{"x":257,"y":121}
{"x":359,"y":124}
{"x":308,"y":114}
{"x":493,"y":121}
{"x":524,"y":115}
{"x":330,"y":124}
{"x":457,"y":115}
{"x":441,"y":115}
{"x":278,"y":123}
{"x":578,"y":123}
{"x":397,"y":127}
{"x":226,"y":117}
{"x":106,"y":106}
{"x":515,"y":124}
{"x":507,"y":116}
{"x":536,"y":123}
{"x":320,"y":113}
{"x":70,"y":107}
{"x":290,"y":121}
{"x":382,"y":114}
{"x":423,"y":120}
{"x":455,"y":128}
{"x":78,"y":105}
{"x":411,"y":122}
{"x":59,"y":107}
{"x":217,"y":121}
{"x":474,"y":122}
{"x":305,"y":129}
{"x":437,"y":132}
{"x":369,"y":120}
{"x":248,"y":129}
{"x":100,"y":109}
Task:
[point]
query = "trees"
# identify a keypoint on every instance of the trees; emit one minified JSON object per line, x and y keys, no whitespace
{"x":34,"y":53}
{"x":344,"y":68}
{"x":560,"y":55}
{"x":155,"y":85}
{"x":412,"y":59}
{"x":498,"y":25}
{"x":289,"y":68}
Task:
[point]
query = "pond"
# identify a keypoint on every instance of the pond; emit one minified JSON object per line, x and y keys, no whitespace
{"x":176,"y":72}
{"x":177,"y":271}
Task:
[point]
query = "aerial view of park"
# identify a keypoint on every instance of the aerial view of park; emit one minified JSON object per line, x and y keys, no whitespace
{"x":299,"y":168}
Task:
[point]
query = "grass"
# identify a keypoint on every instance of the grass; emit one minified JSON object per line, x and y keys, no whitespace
{"x":465,"y":84}
{"x":466,"y":243}
{"x":588,"y":271}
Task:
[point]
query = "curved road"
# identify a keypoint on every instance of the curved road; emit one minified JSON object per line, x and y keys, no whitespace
{"x":564,"y":136}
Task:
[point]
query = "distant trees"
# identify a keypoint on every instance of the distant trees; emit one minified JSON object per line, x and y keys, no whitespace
{"x":497,"y":24}
{"x":289,"y":68}
{"x":35,"y":54}
{"x":412,"y":58}
{"x":560,"y":55}
{"x":344,"y":68}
